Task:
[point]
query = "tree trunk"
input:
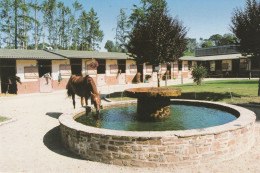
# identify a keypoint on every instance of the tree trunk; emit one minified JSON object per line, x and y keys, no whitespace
{"x":158,"y":80}
{"x":16,"y":27}
{"x":35,"y":35}
{"x":24,"y":29}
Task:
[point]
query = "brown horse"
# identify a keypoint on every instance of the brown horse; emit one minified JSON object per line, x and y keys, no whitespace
{"x":11,"y":82}
{"x":83,"y":87}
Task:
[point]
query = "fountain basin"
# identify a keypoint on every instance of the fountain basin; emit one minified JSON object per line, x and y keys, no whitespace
{"x":161,"y":148}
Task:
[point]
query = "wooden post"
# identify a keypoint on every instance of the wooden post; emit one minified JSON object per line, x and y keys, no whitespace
{"x":0,"y":82}
{"x":259,"y":86}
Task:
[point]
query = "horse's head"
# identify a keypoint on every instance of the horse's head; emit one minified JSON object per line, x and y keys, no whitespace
{"x":96,"y":100}
{"x":18,"y":79}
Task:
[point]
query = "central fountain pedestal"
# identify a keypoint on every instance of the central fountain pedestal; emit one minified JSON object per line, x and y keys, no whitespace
{"x":153,"y":103}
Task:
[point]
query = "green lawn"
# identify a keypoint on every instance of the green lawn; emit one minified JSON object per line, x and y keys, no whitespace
{"x":118,"y":96}
{"x":3,"y":119}
{"x":242,"y":91}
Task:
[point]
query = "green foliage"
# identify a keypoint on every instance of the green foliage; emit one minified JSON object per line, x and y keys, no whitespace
{"x":206,"y":43}
{"x":218,"y":40}
{"x":192,"y":45}
{"x":122,"y":30}
{"x":245,"y":25}
{"x":156,"y":38}
{"x":2,"y":119}
{"x":198,"y":73}
{"x":188,"y":53}
{"x":109,"y":46}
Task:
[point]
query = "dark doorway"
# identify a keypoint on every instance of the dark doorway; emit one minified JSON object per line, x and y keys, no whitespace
{"x":7,"y":69}
{"x":121,"y":65}
{"x":44,"y":67}
{"x":76,"y":67}
{"x":139,"y":76}
{"x":101,"y":69}
{"x":235,"y":67}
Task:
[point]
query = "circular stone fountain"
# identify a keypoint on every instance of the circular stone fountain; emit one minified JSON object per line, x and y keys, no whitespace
{"x":153,"y":103}
{"x":174,"y":148}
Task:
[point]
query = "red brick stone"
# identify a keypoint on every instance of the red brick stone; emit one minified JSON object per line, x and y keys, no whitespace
{"x":161,"y":148}
{"x":137,"y":148}
{"x":215,"y":146}
{"x":232,"y":142}
{"x":142,"y":142}
{"x":172,"y":158}
{"x":155,"y":142}
{"x":113,"y":148}
{"x":202,"y":150}
{"x":244,"y":130}
{"x":152,"y":149}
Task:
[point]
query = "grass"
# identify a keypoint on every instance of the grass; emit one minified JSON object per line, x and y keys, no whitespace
{"x":242,"y":91}
{"x":230,"y":91}
{"x":118,"y":96}
{"x":188,"y":53}
{"x":2,"y":119}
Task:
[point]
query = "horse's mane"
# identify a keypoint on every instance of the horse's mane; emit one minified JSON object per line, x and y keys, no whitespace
{"x":92,"y":84}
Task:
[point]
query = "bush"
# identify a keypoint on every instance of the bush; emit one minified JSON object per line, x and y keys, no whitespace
{"x":198,"y":73}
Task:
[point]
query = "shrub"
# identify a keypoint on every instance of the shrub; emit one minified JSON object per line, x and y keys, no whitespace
{"x":198,"y":73}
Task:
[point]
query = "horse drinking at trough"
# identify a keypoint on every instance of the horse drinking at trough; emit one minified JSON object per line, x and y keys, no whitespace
{"x":84,"y":87}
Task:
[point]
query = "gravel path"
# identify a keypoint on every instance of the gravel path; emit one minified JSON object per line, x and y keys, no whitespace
{"x":32,"y":142}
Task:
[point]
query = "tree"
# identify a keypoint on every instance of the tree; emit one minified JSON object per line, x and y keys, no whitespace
{"x":205,"y":43}
{"x":245,"y":26}
{"x":122,"y":31}
{"x":198,"y":73}
{"x":83,"y":24}
{"x":219,"y":40}
{"x":7,"y":24}
{"x":109,"y":46}
{"x":49,"y":11}
{"x":159,"y":38}
{"x":75,"y":29}
{"x":95,"y":35}
{"x":37,"y":26}
{"x":192,"y":45}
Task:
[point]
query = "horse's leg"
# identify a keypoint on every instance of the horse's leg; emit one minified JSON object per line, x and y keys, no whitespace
{"x":82,"y":101}
{"x":7,"y":89}
{"x":86,"y":101}
{"x":73,"y":98}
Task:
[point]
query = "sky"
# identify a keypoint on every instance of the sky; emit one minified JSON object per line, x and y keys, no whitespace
{"x":202,"y":18}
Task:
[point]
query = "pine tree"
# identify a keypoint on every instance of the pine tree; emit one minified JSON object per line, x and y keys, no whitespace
{"x":95,"y":34}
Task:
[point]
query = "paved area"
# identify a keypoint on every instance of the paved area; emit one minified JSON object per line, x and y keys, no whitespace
{"x":31,"y":143}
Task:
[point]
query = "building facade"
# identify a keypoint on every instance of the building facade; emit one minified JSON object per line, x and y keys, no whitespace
{"x":47,"y":71}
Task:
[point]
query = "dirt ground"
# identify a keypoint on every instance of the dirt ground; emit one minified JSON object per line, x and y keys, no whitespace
{"x":32,"y":143}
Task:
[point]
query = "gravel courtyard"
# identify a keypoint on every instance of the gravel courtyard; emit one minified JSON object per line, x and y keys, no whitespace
{"x":31,"y":143}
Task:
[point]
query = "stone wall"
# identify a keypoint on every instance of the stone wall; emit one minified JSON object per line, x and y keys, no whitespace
{"x":160,"y":149}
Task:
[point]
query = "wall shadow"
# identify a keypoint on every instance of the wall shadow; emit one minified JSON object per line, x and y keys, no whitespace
{"x":52,"y":140}
{"x":54,"y":114}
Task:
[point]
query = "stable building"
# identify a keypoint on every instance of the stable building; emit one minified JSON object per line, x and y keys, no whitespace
{"x":46,"y":71}
{"x":223,"y":61}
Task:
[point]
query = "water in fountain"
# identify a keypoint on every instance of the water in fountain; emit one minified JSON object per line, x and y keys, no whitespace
{"x":182,"y":117}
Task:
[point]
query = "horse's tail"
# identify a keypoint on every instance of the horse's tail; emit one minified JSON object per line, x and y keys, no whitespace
{"x":69,"y":89}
